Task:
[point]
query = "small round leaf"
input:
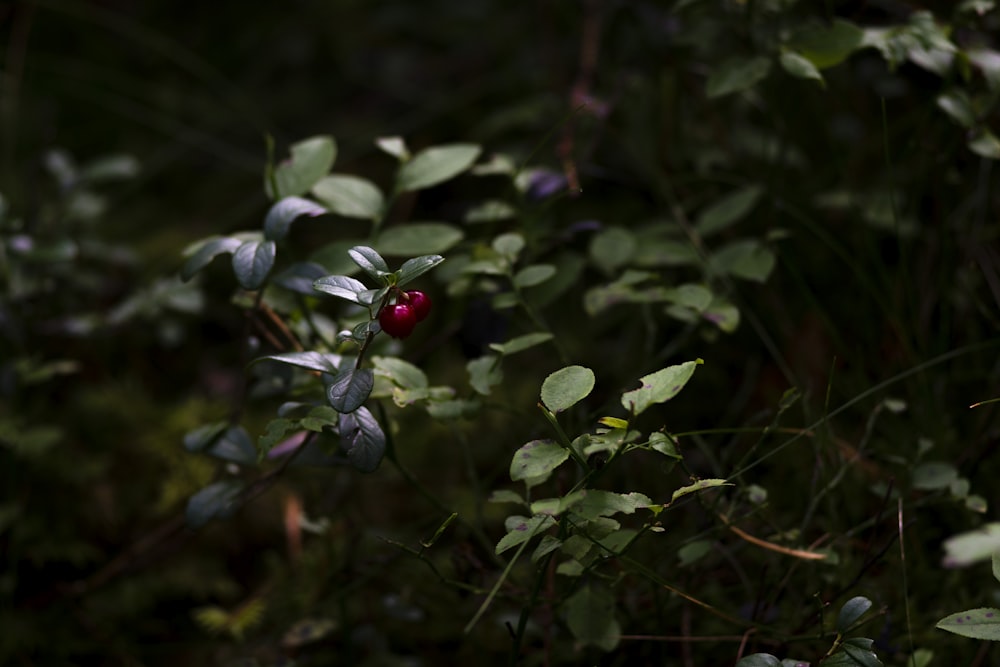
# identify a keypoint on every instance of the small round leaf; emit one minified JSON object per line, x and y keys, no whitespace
{"x":566,"y":387}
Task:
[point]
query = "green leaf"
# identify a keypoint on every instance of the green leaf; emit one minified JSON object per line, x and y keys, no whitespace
{"x":800,"y":67}
{"x":207,"y":252}
{"x":851,"y":612}
{"x":536,"y":274}
{"x":412,"y":268}
{"x":695,"y":297}
{"x":612,"y":248}
{"x":435,"y":165}
{"x":730,"y":209}
{"x":369,"y":261}
{"x":700,"y":485}
{"x":737,"y":75}
{"x":606,"y":503}
{"x":284,"y":211}
{"x":759,"y":660}
{"x":203,"y":436}
{"x":402,"y":373}
{"x":534,"y":462}
{"x":342,"y":287}
{"x":996,"y":565}
{"x":276,"y":432}
{"x":490,"y":210}
{"x":981,"y":623}
{"x":484,"y":373}
{"x":252,"y":262}
{"x":363,"y":438}
{"x":957,"y":105}
{"x":414,"y":238}
{"x":556,"y":506}
{"x":566,"y":387}
{"x":394,"y":146}
{"x":509,"y":245}
{"x":350,"y":388}
{"x":934,"y":475}
{"x":723,"y":314}
{"x":971,"y":547}
{"x":694,"y":551}
{"x":521,"y":529}
{"x":828,"y":44}
{"x":521,"y":343}
{"x":590,"y":615}
{"x":310,"y":161}
{"x":324,"y":362}
{"x":748,"y":259}
{"x":216,"y":501}
{"x":506,"y":496}
{"x":859,"y":649}
{"x":659,"y":387}
{"x":985,"y":144}
{"x":350,"y":196}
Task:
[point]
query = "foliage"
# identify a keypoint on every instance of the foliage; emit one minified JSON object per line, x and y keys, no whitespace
{"x":711,"y":289}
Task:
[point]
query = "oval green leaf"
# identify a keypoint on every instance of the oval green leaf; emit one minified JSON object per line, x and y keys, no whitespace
{"x":435,"y":165}
{"x":215,"y":501}
{"x":737,"y":75}
{"x":252,"y":261}
{"x":417,"y":238}
{"x":659,"y":387}
{"x":852,"y":610}
{"x":310,"y":161}
{"x":207,"y":252}
{"x":350,"y":196}
{"x":566,"y":387}
{"x":282,"y":213}
{"x":343,"y":287}
{"x":729,"y":210}
{"x":350,"y":389}
{"x":535,"y":461}
{"x":363,"y":438}
{"x":982,"y":623}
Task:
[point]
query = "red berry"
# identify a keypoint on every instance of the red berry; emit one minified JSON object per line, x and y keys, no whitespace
{"x":398,"y":320}
{"x":421,"y":304}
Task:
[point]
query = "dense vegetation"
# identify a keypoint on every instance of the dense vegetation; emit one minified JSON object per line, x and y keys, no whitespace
{"x":712,"y":286}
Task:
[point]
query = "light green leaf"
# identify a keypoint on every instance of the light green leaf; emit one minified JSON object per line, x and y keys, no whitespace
{"x":985,"y":144}
{"x":934,"y":475}
{"x":724,"y":315}
{"x":827,"y":45}
{"x":759,"y":660}
{"x":800,"y":67}
{"x":533,"y":462}
{"x":590,"y":615}
{"x":521,"y":343}
{"x":350,"y":196}
{"x":566,"y":387}
{"x":971,"y":547}
{"x":484,"y":373}
{"x":506,"y":496}
{"x":958,"y":106}
{"x":343,"y":287}
{"x":310,"y":161}
{"x":508,"y":245}
{"x":417,"y":266}
{"x":369,"y":261}
{"x":490,"y":211}
{"x":606,"y":503}
{"x":394,"y":146}
{"x":535,"y":274}
{"x":252,"y":262}
{"x":435,"y":165}
{"x":982,"y":623}
{"x":612,"y":248}
{"x":402,"y":373}
{"x":730,"y":209}
{"x":695,"y":297}
{"x":556,"y":506}
{"x":659,"y":387}
{"x":737,"y":75}
{"x":700,"y":485}
{"x":416,"y":238}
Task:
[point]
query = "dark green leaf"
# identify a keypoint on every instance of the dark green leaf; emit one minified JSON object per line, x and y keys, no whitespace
{"x":350,"y":388}
{"x":730,"y":209}
{"x":748,"y":259}
{"x":737,"y":75}
{"x":207,"y":252}
{"x":759,"y":660}
{"x":363,"y":438}
{"x":957,"y":105}
{"x":283,"y":212}
{"x":435,"y":165}
{"x":324,"y":362}
{"x":612,"y":248}
{"x":350,"y":196}
{"x":535,"y":274}
{"x":484,"y":373}
{"x":521,"y":529}
{"x":203,"y":436}
{"x":827,"y":45}
{"x":216,"y":501}
{"x":590,"y":615}
{"x":300,"y":277}
{"x":416,"y":238}
{"x":851,"y":612}
{"x":800,"y":67}
{"x":521,"y":343}
{"x":252,"y":262}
